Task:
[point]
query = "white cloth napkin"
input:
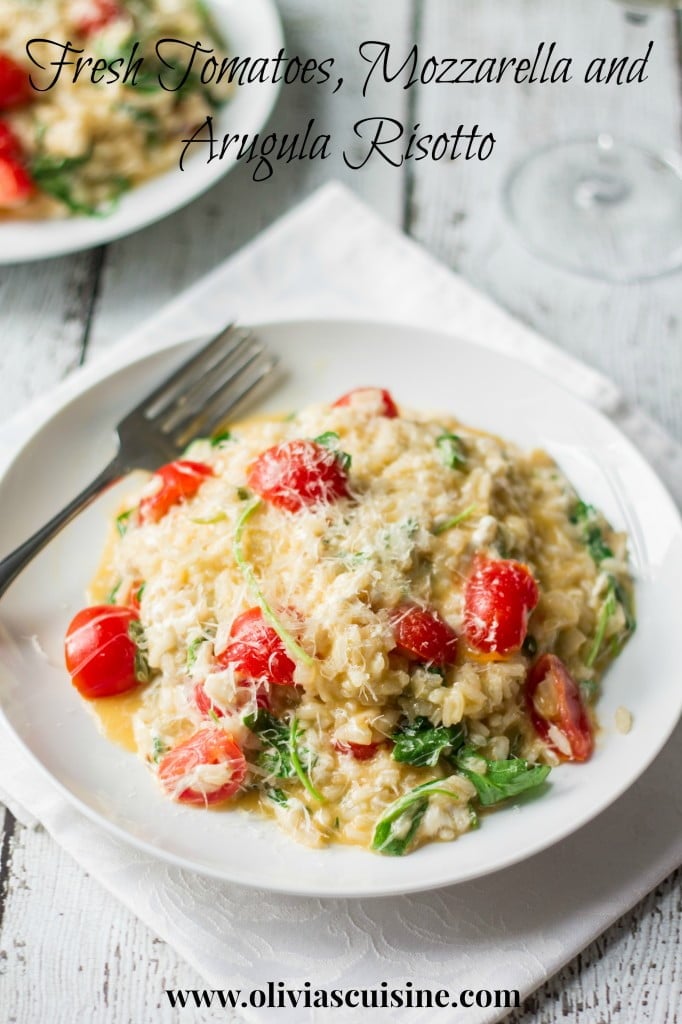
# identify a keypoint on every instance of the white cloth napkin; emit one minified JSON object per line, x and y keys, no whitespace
{"x":333,"y":257}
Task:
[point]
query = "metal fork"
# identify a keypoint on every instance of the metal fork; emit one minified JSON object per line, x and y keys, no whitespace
{"x":192,"y":402}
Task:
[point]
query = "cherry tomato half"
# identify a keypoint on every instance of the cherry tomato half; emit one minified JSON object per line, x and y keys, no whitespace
{"x":499,"y":595}
{"x":559,"y":706}
{"x":16,"y":184}
{"x":100,"y":652}
{"x":15,"y":87}
{"x":9,"y":143}
{"x":297,"y":474}
{"x":376,"y":400}
{"x":183,"y":770}
{"x":256,"y":651}
{"x":177,"y":481}
{"x":422,"y":635}
{"x":205,"y":706}
{"x":99,"y":14}
{"x":360,"y":751}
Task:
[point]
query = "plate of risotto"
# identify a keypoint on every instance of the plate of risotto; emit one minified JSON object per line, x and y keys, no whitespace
{"x":387,"y":632}
{"x":98,"y":100}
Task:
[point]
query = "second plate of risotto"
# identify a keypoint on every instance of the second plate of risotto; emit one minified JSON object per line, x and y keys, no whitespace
{"x":97,"y":101}
{"x":386,"y":635}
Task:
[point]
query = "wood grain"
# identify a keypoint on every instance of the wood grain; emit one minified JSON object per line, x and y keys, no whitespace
{"x":70,"y":951}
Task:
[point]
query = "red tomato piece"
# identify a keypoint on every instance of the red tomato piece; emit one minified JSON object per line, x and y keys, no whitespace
{"x":204,"y":703}
{"x":296,"y":474}
{"x":385,"y":406}
{"x":9,"y":143}
{"x":498,"y":598}
{"x":16,"y":184}
{"x":360,"y":751}
{"x":100,"y":14}
{"x":180,"y":770}
{"x":561,"y":707}
{"x":256,"y":651}
{"x":100,"y":652}
{"x":15,"y":86}
{"x":177,"y":482}
{"x":421,"y":635}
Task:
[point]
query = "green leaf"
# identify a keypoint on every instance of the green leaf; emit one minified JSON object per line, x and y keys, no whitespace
{"x":193,"y":652}
{"x":454,"y":521}
{"x":295,"y":756}
{"x":249,"y":575}
{"x":395,"y":830}
{"x":615,"y":596}
{"x":451,"y":451}
{"x":502,"y":779}
{"x":136,"y":633}
{"x":421,"y":744}
{"x":111,"y":596}
{"x":582,"y":512}
{"x":275,"y":756}
{"x":330,"y":439}
{"x":596,"y":545}
{"x":218,"y":440}
{"x":278,"y":796}
{"x":218,"y":517}
{"x":123,"y":522}
{"x":159,"y":748}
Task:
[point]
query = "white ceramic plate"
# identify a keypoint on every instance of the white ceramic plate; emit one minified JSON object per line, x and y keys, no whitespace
{"x":252,"y":29}
{"x":429,"y":371}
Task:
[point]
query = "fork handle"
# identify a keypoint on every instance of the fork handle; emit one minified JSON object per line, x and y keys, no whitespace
{"x":14,"y":563}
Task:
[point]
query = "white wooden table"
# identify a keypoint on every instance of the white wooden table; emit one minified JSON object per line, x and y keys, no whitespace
{"x":68,"y":950}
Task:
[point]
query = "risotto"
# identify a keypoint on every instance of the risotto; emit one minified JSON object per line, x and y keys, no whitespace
{"x":365,"y":622}
{"x":76,"y":146}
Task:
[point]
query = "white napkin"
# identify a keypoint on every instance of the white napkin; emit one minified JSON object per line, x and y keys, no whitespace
{"x":333,"y":257}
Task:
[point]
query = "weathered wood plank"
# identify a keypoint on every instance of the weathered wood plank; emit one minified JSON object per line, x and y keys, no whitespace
{"x":45,"y":309}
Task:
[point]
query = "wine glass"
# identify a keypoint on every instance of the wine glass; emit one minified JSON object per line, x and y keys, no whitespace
{"x":602,"y":207}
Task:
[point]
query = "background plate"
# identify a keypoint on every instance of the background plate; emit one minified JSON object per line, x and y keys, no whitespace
{"x":422,"y":369}
{"x":252,"y":29}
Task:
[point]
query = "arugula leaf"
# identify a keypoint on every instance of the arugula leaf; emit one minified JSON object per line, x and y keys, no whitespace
{"x":159,"y":748}
{"x":330,"y":439}
{"x":249,"y":575}
{"x":615,"y":595}
{"x":295,"y":756}
{"x":278,"y":796}
{"x":596,"y":545}
{"x":502,"y":779}
{"x":451,"y":451}
{"x":592,"y":531}
{"x":421,"y":744}
{"x":136,"y":633}
{"x":275,"y":756}
{"x":582,"y":512}
{"x":453,"y":521}
{"x":281,"y":755}
{"x":219,"y":439}
{"x":193,"y":652}
{"x":123,"y":522}
{"x":111,"y":596}
{"x":396,"y":828}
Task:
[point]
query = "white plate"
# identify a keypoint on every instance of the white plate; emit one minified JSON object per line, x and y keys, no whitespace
{"x":429,"y":371}
{"x":252,"y":29}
